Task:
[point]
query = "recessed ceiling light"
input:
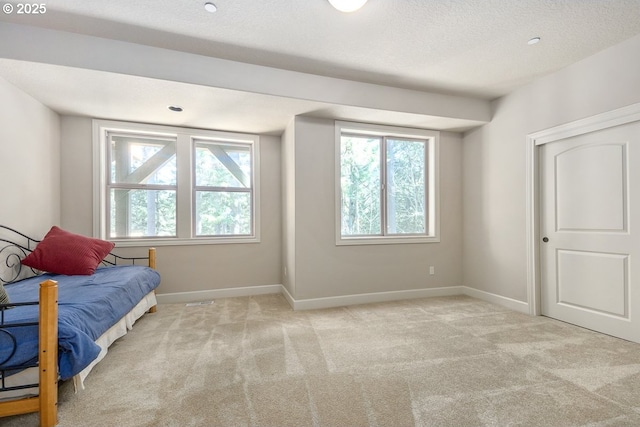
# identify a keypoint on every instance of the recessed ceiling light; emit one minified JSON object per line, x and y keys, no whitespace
{"x":347,"y":5}
{"x":210,"y":7}
{"x":533,"y":40}
{"x":175,"y":108}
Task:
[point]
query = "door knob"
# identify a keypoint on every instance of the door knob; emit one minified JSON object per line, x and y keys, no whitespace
{"x":545,"y":239}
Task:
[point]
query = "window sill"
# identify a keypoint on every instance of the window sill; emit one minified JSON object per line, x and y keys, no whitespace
{"x":124,"y":243}
{"x":377,"y":240}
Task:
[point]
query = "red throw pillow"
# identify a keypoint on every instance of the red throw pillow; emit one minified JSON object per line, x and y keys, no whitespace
{"x":62,"y":252}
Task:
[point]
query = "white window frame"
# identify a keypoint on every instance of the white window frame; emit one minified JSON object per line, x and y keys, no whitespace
{"x":185,"y":226}
{"x":432,"y":139}
{"x":213,"y":189}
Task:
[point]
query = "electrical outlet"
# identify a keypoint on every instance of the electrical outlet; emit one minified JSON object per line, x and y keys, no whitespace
{"x":285,"y":271}
{"x":432,"y":270}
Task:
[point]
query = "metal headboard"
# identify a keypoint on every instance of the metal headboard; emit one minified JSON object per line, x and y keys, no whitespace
{"x":15,"y":246}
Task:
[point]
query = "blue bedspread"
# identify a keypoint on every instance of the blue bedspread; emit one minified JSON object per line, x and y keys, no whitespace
{"x":87,"y":307}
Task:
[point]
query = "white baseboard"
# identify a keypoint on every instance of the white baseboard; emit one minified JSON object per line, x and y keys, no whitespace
{"x":509,"y":303}
{"x":288,"y":297}
{"x":184,"y":297}
{"x":342,"y":300}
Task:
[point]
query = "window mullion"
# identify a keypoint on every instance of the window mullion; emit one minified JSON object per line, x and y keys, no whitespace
{"x":141,"y":187}
{"x":427,"y":186}
{"x":184,"y":194}
{"x":383,"y":186}
{"x":223,"y":189}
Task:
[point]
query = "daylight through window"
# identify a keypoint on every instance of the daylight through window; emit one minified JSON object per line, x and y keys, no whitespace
{"x":223,"y":189}
{"x":386,"y":187}
{"x":174,"y":185}
{"x":141,"y":186}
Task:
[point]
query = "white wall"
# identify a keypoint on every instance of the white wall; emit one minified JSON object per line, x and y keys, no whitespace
{"x":183,"y":268}
{"x":494,"y":159}
{"x":323,"y":269}
{"x":29,"y":163}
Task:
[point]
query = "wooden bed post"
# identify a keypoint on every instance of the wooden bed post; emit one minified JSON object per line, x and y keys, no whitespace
{"x":152,"y":264}
{"x":48,"y":358}
{"x":47,"y":400}
{"x":152,"y":258}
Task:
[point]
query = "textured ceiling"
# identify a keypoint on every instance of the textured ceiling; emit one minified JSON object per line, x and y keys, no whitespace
{"x":460,"y":47}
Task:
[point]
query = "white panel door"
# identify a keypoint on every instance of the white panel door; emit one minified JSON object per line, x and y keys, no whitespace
{"x":590,"y":230}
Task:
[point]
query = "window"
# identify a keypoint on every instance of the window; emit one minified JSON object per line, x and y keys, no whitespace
{"x":386,"y":184}
{"x":223,"y":189}
{"x":174,"y":185}
{"x":141,"y":186}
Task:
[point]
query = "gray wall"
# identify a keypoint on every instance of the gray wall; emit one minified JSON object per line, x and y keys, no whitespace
{"x":45,"y":171}
{"x":323,"y":269}
{"x":494,"y":159}
{"x":183,"y":268}
{"x":288,"y":209}
{"x":29,"y":162}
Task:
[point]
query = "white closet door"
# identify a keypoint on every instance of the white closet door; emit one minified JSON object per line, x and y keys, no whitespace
{"x":590,"y":230}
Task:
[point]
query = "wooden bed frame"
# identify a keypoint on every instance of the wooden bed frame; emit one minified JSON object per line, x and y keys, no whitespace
{"x":46,"y":403}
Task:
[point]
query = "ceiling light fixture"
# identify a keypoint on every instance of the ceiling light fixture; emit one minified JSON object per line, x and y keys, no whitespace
{"x":210,"y":7}
{"x":175,"y":108}
{"x":533,"y":40}
{"x":347,"y":5}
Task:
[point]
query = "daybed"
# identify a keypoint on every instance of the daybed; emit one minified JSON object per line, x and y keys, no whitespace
{"x":58,"y":325}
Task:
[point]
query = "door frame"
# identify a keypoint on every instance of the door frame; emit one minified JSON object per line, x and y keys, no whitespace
{"x":535,"y":140}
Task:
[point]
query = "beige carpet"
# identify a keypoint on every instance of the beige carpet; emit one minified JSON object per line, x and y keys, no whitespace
{"x":452,"y":361}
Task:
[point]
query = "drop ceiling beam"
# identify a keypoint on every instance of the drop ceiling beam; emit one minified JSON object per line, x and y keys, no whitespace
{"x":42,"y":45}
